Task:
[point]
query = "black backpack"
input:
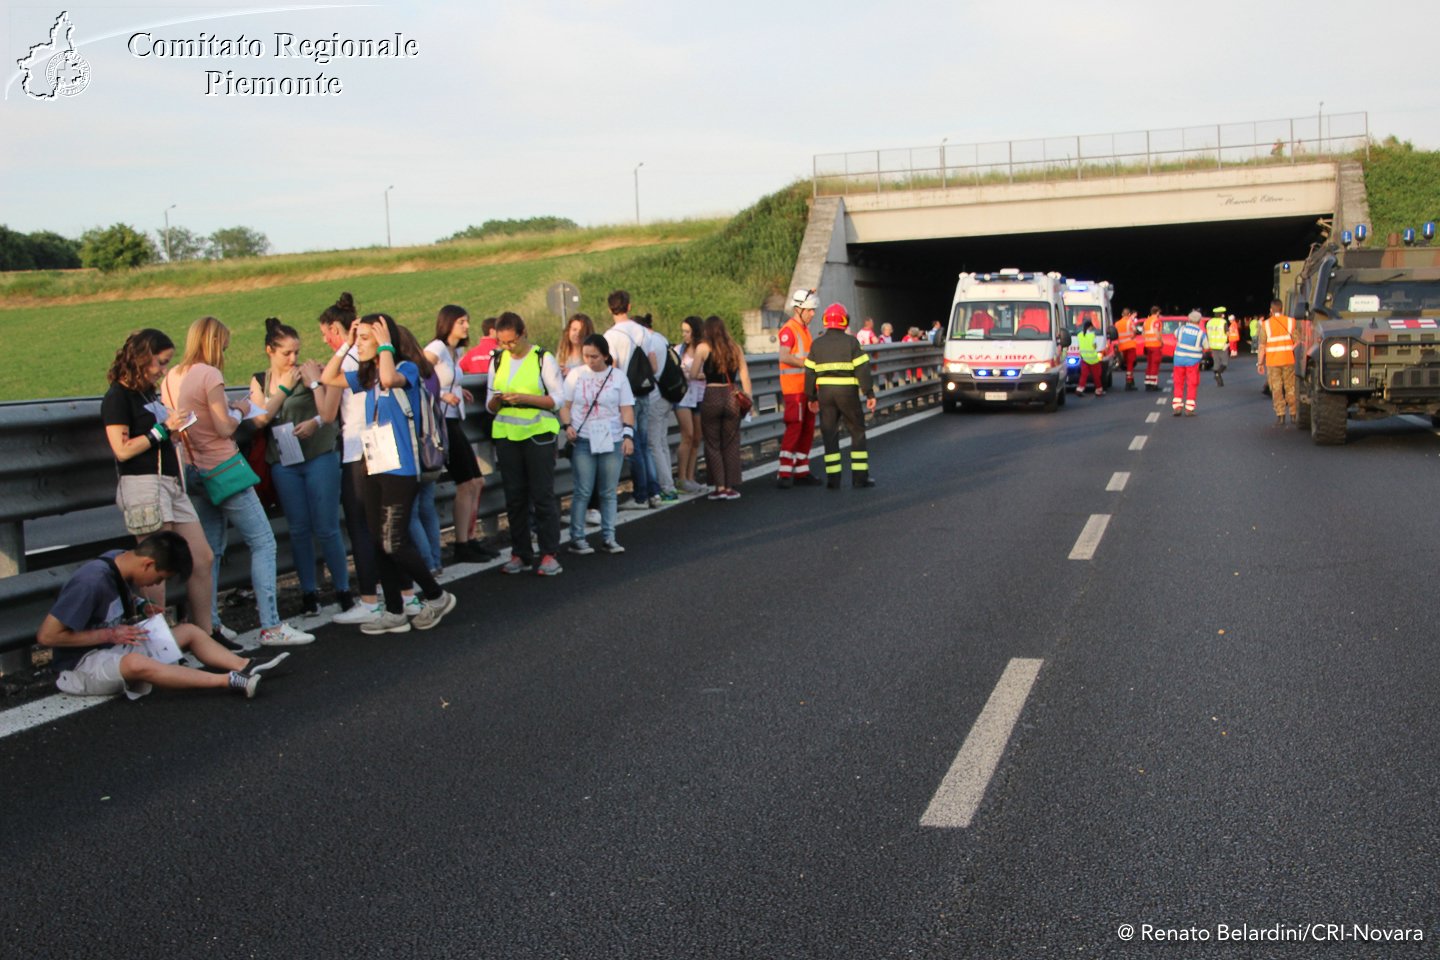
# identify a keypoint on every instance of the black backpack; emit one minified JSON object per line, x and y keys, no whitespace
{"x":638,"y":370}
{"x":671,"y":380}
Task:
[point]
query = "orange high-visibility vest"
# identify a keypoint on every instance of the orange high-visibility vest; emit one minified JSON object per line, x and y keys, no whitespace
{"x":1153,"y":340}
{"x":1279,"y":341}
{"x":1125,"y":333}
{"x":792,"y":377}
{"x":1234,"y":334}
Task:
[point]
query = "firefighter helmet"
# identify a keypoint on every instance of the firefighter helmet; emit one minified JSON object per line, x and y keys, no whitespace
{"x":835,"y":316}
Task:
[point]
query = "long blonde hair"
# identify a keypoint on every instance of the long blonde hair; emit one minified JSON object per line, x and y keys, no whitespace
{"x":205,"y":342}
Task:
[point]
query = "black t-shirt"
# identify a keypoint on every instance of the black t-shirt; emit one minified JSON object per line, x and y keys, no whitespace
{"x":122,"y":406}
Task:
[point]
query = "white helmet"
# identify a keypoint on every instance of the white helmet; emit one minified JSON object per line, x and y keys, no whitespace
{"x":804,"y":299}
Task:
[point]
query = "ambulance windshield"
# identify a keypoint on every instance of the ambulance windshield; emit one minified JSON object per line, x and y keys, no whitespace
{"x":1075,"y":317}
{"x":1000,"y":320}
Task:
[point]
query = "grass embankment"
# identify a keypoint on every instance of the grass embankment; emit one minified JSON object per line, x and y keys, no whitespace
{"x":73,"y":321}
{"x":1402,"y":185}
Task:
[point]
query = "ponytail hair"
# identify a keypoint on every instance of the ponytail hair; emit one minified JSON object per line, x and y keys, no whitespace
{"x":277,"y":332}
{"x":342,"y":311}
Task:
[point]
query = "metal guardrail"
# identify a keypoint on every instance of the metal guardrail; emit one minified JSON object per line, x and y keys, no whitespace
{"x":1092,"y":156}
{"x":54,"y":461}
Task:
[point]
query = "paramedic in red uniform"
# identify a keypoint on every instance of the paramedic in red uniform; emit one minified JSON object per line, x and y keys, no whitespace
{"x":1125,"y":343}
{"x":1153,"y":344}
{"x":795,"y":339}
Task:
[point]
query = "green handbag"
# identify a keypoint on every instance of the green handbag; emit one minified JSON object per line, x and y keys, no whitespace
{"x":227,"y":479}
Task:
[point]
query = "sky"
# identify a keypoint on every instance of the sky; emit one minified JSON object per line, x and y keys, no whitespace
{"x":546,"y":108}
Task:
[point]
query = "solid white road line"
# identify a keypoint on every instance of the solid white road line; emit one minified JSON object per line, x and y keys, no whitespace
{"x":1138,"y":443}
{"x":1152,"y":418}
{"x":1084,"y":548}
{"x":1117,"y":482}
{"x":960,"y":793}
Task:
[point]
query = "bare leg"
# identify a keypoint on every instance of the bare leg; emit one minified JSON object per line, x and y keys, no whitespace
{"x":467,"y":502}
{"x":191,"y":638}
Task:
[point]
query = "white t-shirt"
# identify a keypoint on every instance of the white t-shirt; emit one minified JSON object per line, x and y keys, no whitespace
{"x":624,"y":337}
{"x":448,"y":373}
{"x":352,"y":411}
{"x":583,"y":387}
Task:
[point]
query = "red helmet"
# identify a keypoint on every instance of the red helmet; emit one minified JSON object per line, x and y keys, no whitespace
{"x":835,"y":316}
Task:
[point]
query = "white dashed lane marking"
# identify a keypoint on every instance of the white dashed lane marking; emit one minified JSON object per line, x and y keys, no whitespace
{"x":1152,"y":418}
{"x":1084,"y":548}
{"x":1138,"y":443}
{"x":1117,"y":482}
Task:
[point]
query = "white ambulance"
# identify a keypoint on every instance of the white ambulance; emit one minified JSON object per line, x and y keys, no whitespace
{"x":1088,"y":300}
{"x":1006,"y":341}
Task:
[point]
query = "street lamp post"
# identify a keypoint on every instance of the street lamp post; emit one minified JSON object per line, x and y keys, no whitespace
{"x":167,"y":231}
{"x":943,"y":171}
{"x":637,"y":190}
{"x":387,"y":214}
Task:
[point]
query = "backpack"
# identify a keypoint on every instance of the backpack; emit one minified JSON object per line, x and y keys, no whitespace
{"x":638,"y":370}
{"x":671,"y":380}
{"x":428,"y":438}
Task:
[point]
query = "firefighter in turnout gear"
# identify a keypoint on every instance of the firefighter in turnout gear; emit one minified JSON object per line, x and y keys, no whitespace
{"x":795,"y":340}
{"x":836,"y":373}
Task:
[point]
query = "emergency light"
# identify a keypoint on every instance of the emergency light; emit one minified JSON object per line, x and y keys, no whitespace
{"x":1361,"y":232}
{"x":1285,"y":267}
{"x":1428,"y":231}
{"x":1409,"y":236}
{"x":1346,"y":237}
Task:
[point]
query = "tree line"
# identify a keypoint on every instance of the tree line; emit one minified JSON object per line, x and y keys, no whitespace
{"x":120,"y":246}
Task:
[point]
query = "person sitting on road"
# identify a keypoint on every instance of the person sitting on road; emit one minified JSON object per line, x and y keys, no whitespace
{"x":98,"y":648}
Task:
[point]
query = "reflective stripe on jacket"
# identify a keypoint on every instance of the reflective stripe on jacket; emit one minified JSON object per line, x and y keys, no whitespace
{"x":1215,"y":329}
{"x":521,"y":423}
{"x":1125,"y":333}
{"x":1189,"y":345}
{"x":1279,"y":341}
{"x":1085,"y":343}
{"x":1152,"y":333}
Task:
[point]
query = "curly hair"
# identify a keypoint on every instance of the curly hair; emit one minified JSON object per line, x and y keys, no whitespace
{"x":135,"y":355}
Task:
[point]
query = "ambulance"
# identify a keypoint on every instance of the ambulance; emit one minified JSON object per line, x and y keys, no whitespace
{"x":1006,"y":341}
{"x":1088,"y":300}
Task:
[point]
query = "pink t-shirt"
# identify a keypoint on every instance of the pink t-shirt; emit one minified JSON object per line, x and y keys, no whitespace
{"x":202,"y":443}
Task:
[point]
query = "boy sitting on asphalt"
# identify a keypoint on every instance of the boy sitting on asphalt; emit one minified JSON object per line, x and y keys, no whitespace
{"x":91,"y":628}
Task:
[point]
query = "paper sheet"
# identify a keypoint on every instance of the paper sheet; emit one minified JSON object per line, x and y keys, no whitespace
{"x":159,"y":641}
{"x":285,"y":442}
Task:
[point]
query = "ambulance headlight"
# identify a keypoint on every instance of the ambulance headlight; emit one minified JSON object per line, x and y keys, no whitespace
{"x":1040,"y":367}
{"x":962,"y":368}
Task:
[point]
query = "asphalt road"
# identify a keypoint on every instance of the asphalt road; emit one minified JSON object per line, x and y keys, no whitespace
{"x":722,"y":743}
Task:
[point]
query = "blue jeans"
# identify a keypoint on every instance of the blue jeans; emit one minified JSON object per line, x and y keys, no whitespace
{"x":307,"y":495}
{"x":243,"y":510}
{"x":425,"y":525}
{"x":642,"y":470}
{"x":593,"y":473}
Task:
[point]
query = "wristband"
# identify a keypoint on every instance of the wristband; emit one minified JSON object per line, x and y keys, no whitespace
{"x":285,"y":390}
{"x":158,"y":434}
{"x":384,"y":348}
{"x":319,"y":420}
{"x":627,"y":433}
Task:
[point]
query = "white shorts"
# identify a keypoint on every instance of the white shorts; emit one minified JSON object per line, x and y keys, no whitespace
{"x":175,"y":506}
{"x":98,"y":675}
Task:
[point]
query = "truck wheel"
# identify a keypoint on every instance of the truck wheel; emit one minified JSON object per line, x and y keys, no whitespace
{"x":1052,"y":402}
{"x":1302,"y":409}
{"x":1108,"y":377}
{"x":1327,"y":418}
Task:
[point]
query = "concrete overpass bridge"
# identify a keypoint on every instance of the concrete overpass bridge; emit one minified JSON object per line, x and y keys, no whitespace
{"x":1182,"y":218}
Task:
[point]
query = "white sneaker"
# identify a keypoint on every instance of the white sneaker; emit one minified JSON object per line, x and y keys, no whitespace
{"x":610,"y":546}
{"x":414,"y":605}
{"x":592,"y":518}
{"x":434,"y":610}
{"x":387,"y":623}
{"x":362,"y":612}
{"x":284,"y":635}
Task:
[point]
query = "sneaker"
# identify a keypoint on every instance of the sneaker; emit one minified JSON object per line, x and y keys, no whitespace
{"x":668,"y":496}
{"x":690,"y":486}
{"x":1176,"y":413}
{"x":434,"y":611}
{"x":716,"y":494}
{"x":592,"y":518}
{"x":1099,"y":393}
{"x":732,"y":494}
{"x":414,"y":605}
{"x":247,"y":685}
{"x":549,"y":566}
{"x":610,"y":546}
{"x":785,"y":482}
{"x":361,"y":612}
{"x":472,"y":551}
{"x":515,"y":565}
{"x":226,"y":637}
{"x":310,"y":604}
{"x":284,"y":635}
{"x":654,"y":502}
{"x":635,"y":505}
{"x":581,"y":546}
{"x":387,"y":622}
{"x":255,"y":667}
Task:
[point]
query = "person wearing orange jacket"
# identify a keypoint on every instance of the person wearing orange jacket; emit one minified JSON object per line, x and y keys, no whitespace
{"x":1234,"y":336}
{"x":795,"y":339}
{"x":1153,"y":343}
{"x":1125,"y":329}
{"x":1277,"y":361}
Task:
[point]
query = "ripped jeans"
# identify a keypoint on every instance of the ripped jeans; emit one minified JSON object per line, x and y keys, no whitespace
{"x":389,"y":500}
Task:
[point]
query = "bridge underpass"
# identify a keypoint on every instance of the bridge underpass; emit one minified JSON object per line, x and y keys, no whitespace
{"x":1178,"y":266}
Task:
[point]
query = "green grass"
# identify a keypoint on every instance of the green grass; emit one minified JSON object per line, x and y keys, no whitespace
{"x":176,"y":279}
{"x":71,"y":346}
{"x":726,"y":273}
{"x":1403,"y":188}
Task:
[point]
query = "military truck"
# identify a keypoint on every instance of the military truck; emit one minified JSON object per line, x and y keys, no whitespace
{"x":1367,"y":337}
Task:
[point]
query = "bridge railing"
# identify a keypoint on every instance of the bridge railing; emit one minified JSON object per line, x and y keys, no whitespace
{"x":55,"y":461}
{"x":1093,"y":156}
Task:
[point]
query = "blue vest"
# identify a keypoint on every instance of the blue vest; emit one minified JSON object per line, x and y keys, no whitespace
{"x":1189,"y":344}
